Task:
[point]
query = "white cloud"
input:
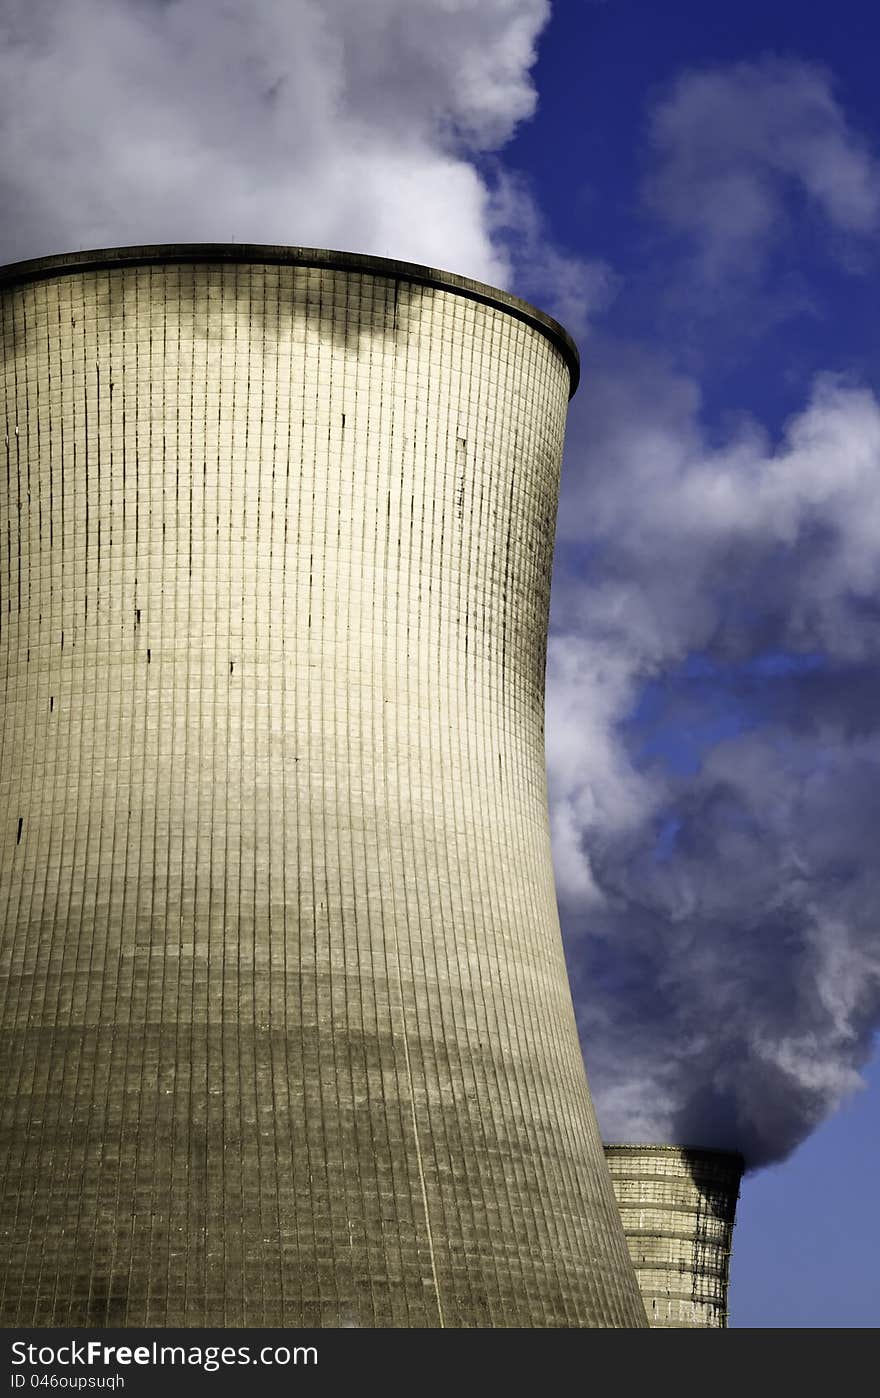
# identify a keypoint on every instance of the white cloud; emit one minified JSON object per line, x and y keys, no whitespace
{"x":644,"y":487}
{"x":732,"y":144}
{"x":327,"y":122}
{"x":734,"y":976}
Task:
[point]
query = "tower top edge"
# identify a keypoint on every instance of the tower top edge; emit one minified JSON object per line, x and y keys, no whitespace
{"x":640,"y":1148}
{"x":237,"y":254}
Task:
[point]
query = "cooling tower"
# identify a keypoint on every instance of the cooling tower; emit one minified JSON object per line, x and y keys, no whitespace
{"x":678,"y":1204}
{"x":287,"y":1032}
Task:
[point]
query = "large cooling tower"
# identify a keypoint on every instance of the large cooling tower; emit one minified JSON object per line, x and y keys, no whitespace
{"x":678,"y":1204}
{"x":287,"y":1032}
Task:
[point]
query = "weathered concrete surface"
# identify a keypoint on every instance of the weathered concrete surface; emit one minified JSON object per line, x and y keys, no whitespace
{"x":287,"y":1031}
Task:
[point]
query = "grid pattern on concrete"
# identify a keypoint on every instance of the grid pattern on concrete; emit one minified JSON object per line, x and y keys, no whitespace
{"x":287,"y":1035}
{"x":678,"y":1205}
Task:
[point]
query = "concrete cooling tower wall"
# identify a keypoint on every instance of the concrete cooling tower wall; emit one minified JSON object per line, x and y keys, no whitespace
{"x":677,"y":1205}
{"x":286,"y":1027}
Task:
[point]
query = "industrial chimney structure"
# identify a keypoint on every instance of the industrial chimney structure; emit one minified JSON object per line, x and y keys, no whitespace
{"x":287,"y":1033}
{"x":678,"y":1205}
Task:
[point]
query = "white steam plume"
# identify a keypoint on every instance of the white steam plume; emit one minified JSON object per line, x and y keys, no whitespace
{"x":723,"y":921}
{"x":333,"y":123}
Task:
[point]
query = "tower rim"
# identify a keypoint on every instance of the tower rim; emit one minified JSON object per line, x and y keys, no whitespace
{"x":642,"y":1147}
{"x":267,"y":254}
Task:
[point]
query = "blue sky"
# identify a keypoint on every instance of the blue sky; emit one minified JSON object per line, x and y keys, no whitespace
{"x":695,"y":191}
{"x":805,"y":1245}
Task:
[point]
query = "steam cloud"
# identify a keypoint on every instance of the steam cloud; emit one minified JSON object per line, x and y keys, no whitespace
{"x":713,"y":685}
{"x":733,"y":145}
{"x":713,"y":677}
{"x":722,"y":920}
{"x":332,"y":123}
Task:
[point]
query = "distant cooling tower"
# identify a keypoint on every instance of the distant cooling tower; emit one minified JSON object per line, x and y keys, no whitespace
{"x":287,"y":1032}
{"x":678,"y":1205}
